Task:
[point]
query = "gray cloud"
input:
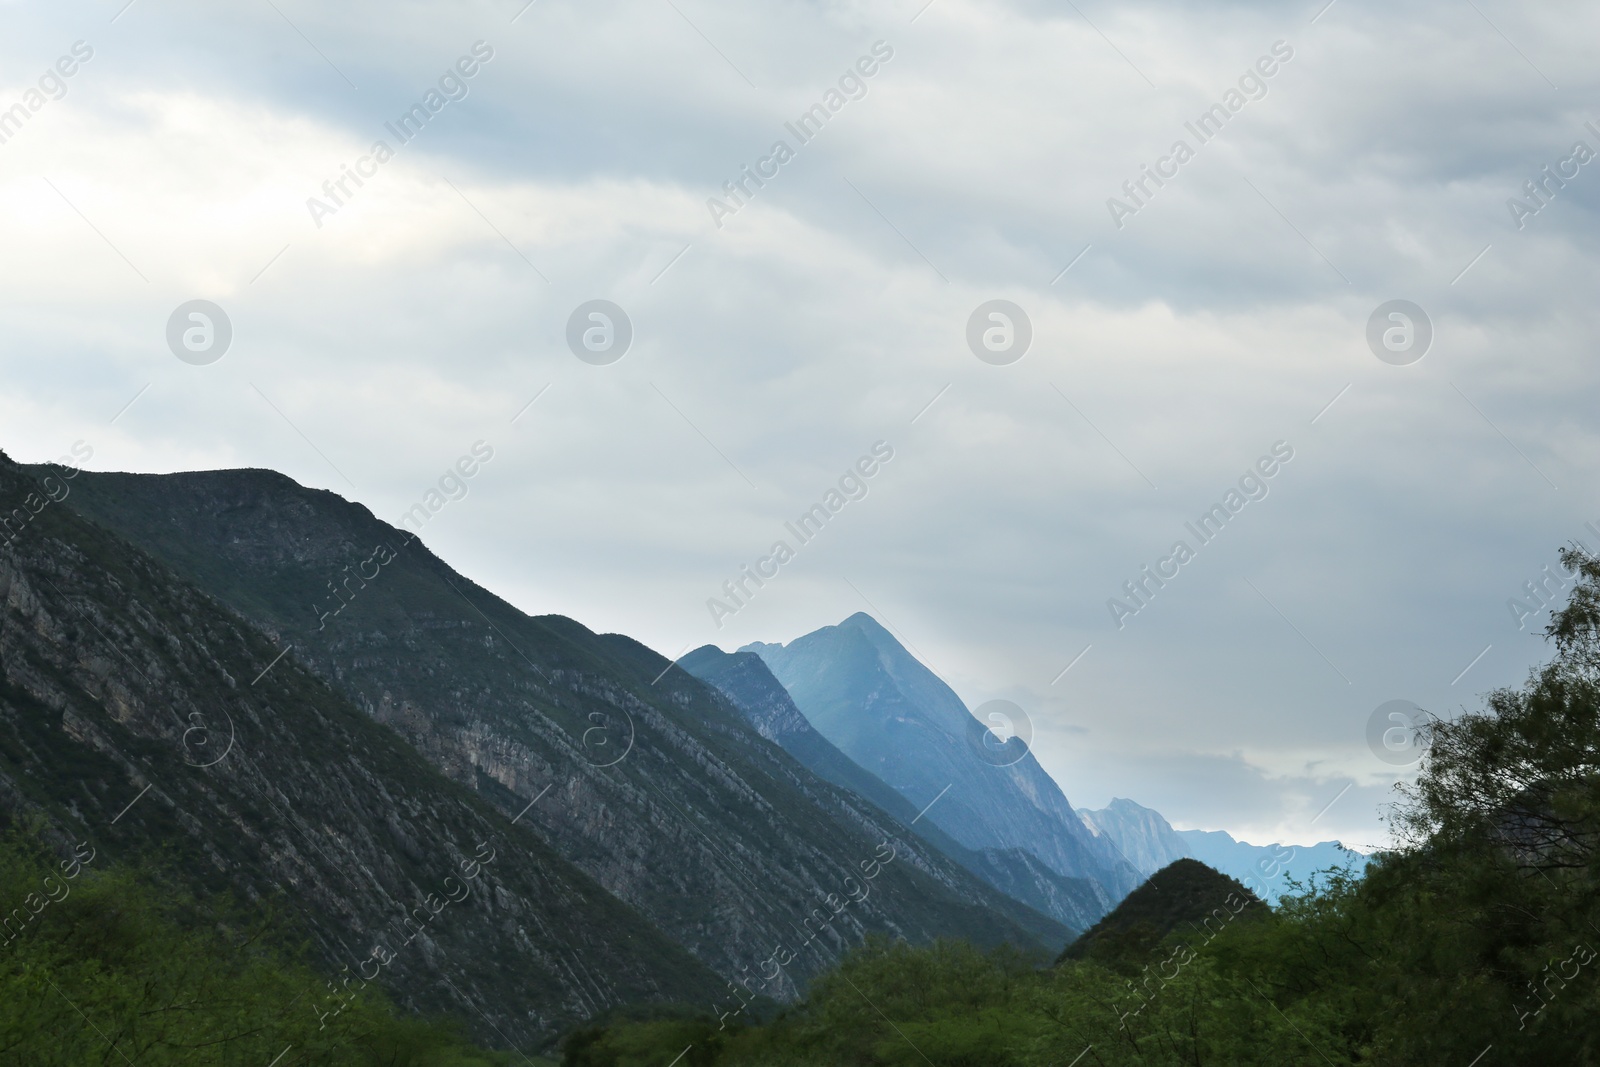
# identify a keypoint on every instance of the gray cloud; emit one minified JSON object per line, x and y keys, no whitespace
{"x":823,"y":317}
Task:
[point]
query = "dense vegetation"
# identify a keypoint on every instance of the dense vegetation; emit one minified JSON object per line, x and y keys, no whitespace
{"x":1473,"y":942}
{"x":104,"y":965}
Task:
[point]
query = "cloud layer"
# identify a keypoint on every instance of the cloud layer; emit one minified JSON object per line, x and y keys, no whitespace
{"x":1229,"y":312}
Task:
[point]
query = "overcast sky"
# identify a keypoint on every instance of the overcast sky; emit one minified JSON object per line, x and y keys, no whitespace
{"x":1200,"y":323}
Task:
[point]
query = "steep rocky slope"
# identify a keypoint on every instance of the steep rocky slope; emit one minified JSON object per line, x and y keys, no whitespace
{"x":641,"y":775}
{"x":141,"y":718}
{"x":1142,"y":835}
{"x":866,"y":694}
{"x":746,"y":680}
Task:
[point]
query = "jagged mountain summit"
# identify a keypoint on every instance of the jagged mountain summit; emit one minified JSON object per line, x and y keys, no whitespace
{"x":1150,"y":843}
{"x":1141,"y":834}
{"x":645,"y":778}
{"x":868,"y":696}
{"x":745,"y":679}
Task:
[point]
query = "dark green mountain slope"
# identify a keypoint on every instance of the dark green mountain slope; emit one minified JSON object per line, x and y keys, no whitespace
{"x":1185,"y":896}
{"x":644,"y":777}
{"x":139,"y":717}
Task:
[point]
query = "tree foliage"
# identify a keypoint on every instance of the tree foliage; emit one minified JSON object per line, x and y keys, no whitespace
{"x":114,"y":966}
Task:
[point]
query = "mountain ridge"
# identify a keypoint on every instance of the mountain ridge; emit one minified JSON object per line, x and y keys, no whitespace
{"x":868,"y":696}
{"x":745,"y":679}
{"x":138,"y":714}
{"x":640,"y":775}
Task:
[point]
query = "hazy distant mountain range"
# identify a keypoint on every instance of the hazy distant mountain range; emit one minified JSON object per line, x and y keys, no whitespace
{"x":309,"y":705}
{"x":1150,"y":843}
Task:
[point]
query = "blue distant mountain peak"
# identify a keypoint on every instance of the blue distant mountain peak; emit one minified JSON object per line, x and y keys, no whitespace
{"x":862,"y":691}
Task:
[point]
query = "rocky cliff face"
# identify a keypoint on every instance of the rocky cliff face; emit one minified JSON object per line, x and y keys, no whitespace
{"x":141,"y":717}
{"x":744,"y":678}
{"x":1144,"y":838}
{"x":1021,"y":875}
{"x":749,"y":685}
{"x":870,"y":697}
{"x":639,"y":774}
